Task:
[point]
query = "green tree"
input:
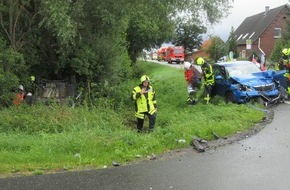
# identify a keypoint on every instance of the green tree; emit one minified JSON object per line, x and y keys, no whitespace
{"x":204,"y":10}
{"x":148,"y":26}
{"x":217,"y":49}
{"x":17,"y":20}
{"x":12,"y":70}
{"x":190,"y":23}
{"x":52,"y":35}
{"x":56,"y":28}
{"x":232,"y":44}
{"x":92,"y":39}
{"x":189,"y":35}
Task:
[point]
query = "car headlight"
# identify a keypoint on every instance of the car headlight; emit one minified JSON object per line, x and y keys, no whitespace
{"x":244,"y":87}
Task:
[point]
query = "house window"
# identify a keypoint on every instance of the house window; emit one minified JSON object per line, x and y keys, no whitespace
{"x":252,"y":35}
{"x":277,"y":33}
{"x":240,"y":37}
{"x":245,"y":36}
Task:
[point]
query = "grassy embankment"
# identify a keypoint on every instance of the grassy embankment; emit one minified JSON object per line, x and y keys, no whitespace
{"x":40,"y":139}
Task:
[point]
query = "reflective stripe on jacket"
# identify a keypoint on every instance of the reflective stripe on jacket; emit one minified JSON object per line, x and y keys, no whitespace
{"x":207,"y":73}
{"x":144,"y":103}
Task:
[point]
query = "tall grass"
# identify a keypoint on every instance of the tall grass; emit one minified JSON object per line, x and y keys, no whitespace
{"x":41,"y":138}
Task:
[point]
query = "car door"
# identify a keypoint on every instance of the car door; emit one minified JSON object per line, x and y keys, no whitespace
{"x":221,"y":80}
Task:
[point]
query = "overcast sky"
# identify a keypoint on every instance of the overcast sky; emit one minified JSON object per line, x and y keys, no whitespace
{"x":241,"y":10}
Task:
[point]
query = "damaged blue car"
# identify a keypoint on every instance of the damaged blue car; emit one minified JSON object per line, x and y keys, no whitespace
{"x":242,"y":81}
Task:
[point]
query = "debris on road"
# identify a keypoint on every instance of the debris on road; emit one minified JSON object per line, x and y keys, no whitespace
{"x":152,"y":157}
{"x":115,"y":163}
{"x":181,"y":140}
{"x":199,"y":144}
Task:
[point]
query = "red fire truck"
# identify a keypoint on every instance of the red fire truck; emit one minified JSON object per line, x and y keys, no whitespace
{"x":175,"y":54}
{"x":161,"y":54}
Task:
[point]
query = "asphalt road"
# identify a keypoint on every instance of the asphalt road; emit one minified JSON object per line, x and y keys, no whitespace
{"x":259,"y":162}
{"x":175,"y":65}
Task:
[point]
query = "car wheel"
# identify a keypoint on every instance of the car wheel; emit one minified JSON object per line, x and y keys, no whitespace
{"x":230,"y":98}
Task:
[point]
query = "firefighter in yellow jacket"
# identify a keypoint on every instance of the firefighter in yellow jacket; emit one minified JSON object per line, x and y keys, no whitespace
{"x":284,"y":64}
{"x":208,"y":78}
{"x":145,"y":103}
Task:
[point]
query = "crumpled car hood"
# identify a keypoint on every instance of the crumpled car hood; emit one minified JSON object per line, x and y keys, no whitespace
{"x":256,"y":79}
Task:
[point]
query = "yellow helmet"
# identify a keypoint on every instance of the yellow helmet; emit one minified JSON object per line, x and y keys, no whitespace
{"x":32,"y":78}
{"x":144,"y":78}
{"x":200,"y":61}
{"x":285,"y":51}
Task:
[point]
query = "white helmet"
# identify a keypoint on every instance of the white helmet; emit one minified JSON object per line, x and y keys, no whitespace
{"x":20,"y":87}
{"x":187,"y":65}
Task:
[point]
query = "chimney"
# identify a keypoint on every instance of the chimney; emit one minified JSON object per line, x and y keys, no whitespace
{"x":267,"y":8}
